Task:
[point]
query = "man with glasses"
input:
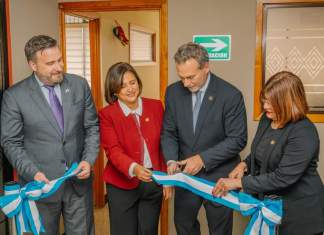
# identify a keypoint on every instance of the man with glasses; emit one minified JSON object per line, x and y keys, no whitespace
{"x":204,"y":130}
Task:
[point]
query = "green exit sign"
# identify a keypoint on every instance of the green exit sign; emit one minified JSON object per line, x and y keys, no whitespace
{"x":217,"y":46}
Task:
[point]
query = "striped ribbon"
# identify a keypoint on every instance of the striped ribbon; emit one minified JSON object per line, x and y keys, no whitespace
{"x":20,"y":202}
{"x":265,"y":215}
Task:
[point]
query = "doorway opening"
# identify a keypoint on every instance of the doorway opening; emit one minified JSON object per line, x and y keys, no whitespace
{"x":89,"y":11}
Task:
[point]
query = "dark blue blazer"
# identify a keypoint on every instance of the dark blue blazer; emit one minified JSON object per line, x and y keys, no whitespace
{"x":221,"y":130}
{"x":290,"y":171}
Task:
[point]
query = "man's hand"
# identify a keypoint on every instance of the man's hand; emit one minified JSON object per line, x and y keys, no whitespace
{"x":192,"y":165}
{"x":40,"y":177}
{"x":142,"y":173}
{"x":85,"y":170}
{"x":173,"y":167}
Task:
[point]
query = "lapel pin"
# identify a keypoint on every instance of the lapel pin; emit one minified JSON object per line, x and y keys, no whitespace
{"x":210,"y":98}
{"x":147,"y":119}
{"x":272,"y":142}
{"x":67,"y":90}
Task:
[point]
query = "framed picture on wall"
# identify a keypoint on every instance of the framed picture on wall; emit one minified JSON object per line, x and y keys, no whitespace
{"x":290,"y":36}
{"x":142,"y":46}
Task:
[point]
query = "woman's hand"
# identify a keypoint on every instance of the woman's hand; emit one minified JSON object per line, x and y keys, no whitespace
{"x":142,"y":173}
{"x":238,"y":171}
{"x":167,"y":192}
{"x":224,"y":185}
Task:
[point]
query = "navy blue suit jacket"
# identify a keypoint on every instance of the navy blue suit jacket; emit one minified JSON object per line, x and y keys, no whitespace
{"x":221,"y":131}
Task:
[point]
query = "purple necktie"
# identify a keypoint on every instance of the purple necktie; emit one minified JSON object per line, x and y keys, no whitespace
{"x":56,"y":107}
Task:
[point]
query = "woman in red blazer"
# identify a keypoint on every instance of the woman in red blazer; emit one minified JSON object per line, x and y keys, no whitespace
{"x":130,"y":135}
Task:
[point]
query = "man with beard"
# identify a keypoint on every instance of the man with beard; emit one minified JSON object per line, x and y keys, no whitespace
{"x":49,"y":121}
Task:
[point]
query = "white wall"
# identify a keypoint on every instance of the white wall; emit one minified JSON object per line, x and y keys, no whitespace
{"x":29,"y":18}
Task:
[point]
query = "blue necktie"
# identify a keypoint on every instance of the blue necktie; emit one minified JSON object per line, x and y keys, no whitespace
{"x":56,"y":107}
{"x":196,"y":109}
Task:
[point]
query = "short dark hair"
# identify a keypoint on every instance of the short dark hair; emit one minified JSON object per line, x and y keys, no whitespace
{"x":285,"y":92}
{"x":38,"y":43}
{"x":194,"y":51}
{"x":114,"y":80}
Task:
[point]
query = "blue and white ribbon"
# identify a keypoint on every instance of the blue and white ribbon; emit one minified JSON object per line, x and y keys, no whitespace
{"x":20,"y":202}
{"x":266,"y":215}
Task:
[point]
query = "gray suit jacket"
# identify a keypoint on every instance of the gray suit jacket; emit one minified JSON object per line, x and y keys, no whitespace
{"x":30,"y":135}
{"x":221,"y":130}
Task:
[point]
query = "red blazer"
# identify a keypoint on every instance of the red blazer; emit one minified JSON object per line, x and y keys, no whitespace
{"x":121,"y":141}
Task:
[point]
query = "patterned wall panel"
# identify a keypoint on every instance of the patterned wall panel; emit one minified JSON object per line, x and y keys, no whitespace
{"x":295,"y":42}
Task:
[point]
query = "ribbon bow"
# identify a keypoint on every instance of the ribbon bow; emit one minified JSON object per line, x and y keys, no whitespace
{"x":266,"y":215}
{"x":20,"y":202}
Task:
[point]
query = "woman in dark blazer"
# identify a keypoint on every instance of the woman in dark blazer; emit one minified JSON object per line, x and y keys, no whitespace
{"x":283,"y":159}
{"x":130,"y":135}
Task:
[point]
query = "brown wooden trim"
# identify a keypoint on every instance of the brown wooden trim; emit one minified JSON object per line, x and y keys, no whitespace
{"x":258,"y":61}
{"x":315,"y":117}
{"x":94,"y":32}
{"x":164,"y":229}
{"x":62,"y":36}
{"x":259,"y":57}
{"x":154,"y":47}
{"x":9,"y":52}
{"x":98,"y":183}
{"x":112,"y":5}
{"x":163,"y":50}
{"x":164,"y":218}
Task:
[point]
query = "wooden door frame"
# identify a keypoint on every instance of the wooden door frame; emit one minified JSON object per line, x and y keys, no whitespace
{"x":94,"y":32}
{"x":119,"y":5}
{"x":9,"y":53}
{"x":129,"y":5}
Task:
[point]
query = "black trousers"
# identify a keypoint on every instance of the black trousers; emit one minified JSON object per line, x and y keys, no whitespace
{"x":136,"y":211}
{"x":186,"y":208}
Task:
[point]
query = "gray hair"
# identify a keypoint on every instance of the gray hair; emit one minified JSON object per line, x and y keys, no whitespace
{"x":38,"y":43}
{"x":191,"y":50}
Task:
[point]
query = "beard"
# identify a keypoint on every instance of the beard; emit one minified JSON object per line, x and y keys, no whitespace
{"x":57,"y":78}
{"x":51,"y":79}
